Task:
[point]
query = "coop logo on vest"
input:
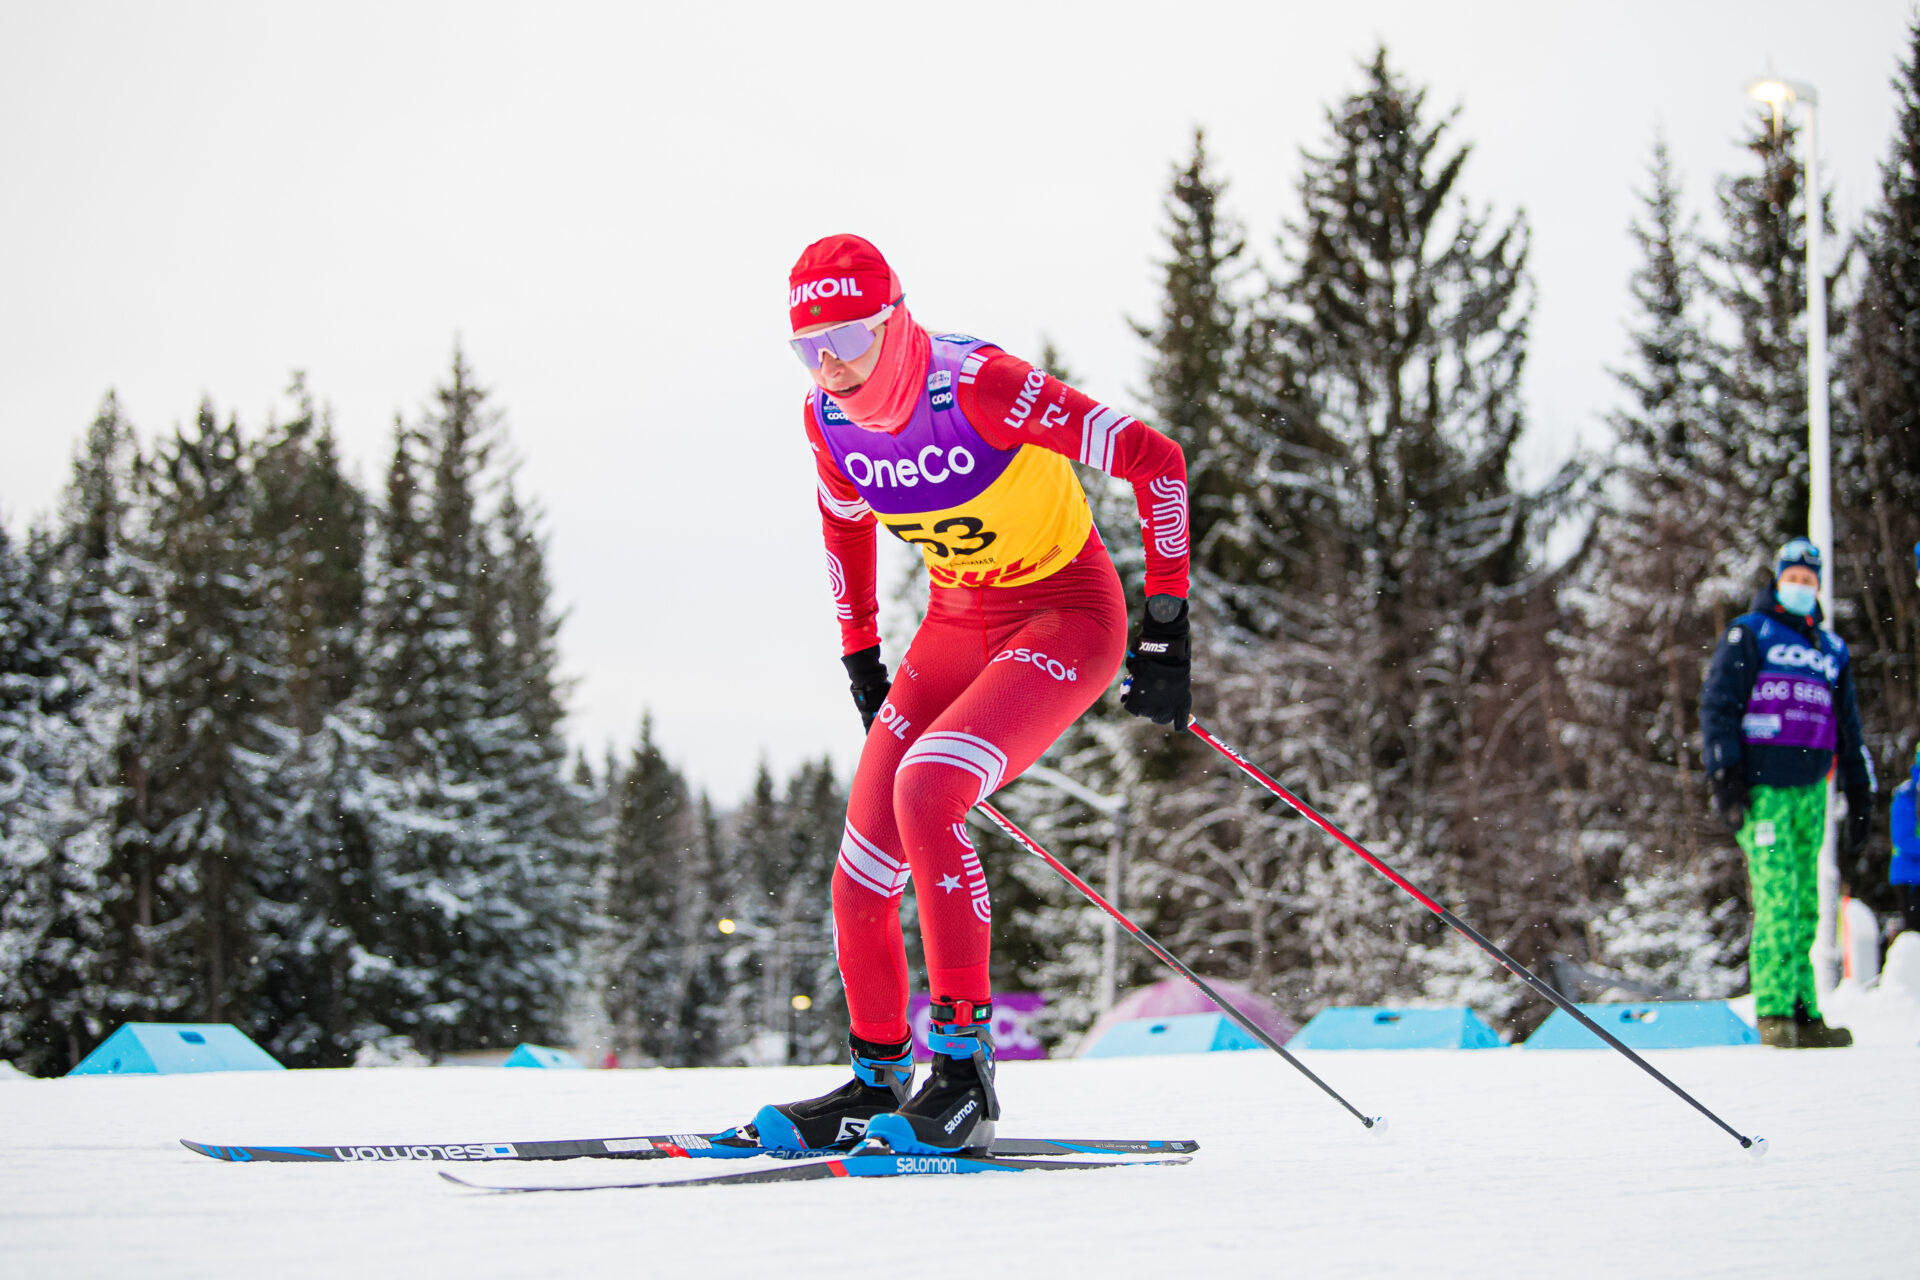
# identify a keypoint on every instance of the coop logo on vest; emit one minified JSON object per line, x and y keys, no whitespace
{"x":1798,"y":655}
{"x":940,"y":389}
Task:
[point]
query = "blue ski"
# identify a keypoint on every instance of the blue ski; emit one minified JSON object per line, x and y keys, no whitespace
{"x":877,"y":1165}
{"x":723,"y":1145}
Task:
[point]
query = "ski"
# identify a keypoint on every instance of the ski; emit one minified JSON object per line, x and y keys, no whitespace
{"x":875,"y":1165}
{"x":723,"y":1145}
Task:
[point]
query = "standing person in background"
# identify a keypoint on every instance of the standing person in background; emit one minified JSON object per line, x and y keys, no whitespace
{"x":965,"y":452}
{"x":1778,"y":708}
{"x":1904,"y":874}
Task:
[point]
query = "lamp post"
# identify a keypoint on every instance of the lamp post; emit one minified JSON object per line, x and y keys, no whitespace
{"x":1114,"y":807}
{"x":1781,"y":94}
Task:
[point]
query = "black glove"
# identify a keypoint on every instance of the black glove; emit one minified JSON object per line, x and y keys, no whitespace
{"x":1730,"y":796}
{"x":870,"y":684}
{"x":1859,"y":821}
{"x":1160,"y":665}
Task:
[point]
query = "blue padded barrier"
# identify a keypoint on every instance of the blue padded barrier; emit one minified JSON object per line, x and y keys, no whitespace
{"x":1666,"y":1024}
{"x":1375,"y":1027}
{"x":1182,"y":1033}
{"x":538,"y":1055}
{"x":173,"y":1048}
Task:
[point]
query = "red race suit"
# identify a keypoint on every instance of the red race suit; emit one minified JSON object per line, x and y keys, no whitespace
{"x":1026,"y":627}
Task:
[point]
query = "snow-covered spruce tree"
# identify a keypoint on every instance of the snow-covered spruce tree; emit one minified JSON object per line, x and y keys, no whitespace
{"x":476,"y":926}
{"x":773,"y":879}
{"x":99,"y":572}
{"x":657,"y":930}
{"x":1200,"y":884}
{"x":1758,"y":272}
{"x":755,"y":963}
{"x":311,"y":853}
{"x":544,"y":844}
{"x":52,"y":906}
{"x":205,"y":690}
{"x":1642,"y":617}
{"x":814,"y":809}
{"x":644,"y":906}
{"x":1877,"y":466}
{"x":701,"y":989}
{"x":1403,"y":689}
{"x":1194,"y":384}
{"x":1191,"y":379}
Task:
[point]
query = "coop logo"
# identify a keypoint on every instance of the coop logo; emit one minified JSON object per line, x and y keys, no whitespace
{"x":1023,"y":403}
{"x":1798,"y":655}
{"x":940,"y":389}
{"x":1052,"y":666}
{"x":832,"y":287}
{"x":462,"y":1151}
{"x":835,"y":415}
{"x":933,"y":464}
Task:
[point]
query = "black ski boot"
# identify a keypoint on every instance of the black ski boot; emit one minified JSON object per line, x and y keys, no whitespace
{"x":882,"y":1078}
{"x":956,"y":1108}
{"x":1813,"y":1033}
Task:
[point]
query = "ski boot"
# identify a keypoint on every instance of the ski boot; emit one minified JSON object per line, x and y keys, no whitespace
{"x":1814,"y":1033}
{"x":955,"y":1109}
{"x":1778,"y":1033}
{"x":882,"y":1078}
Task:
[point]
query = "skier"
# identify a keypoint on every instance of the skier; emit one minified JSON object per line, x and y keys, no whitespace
{"x":966,"y":452}
{"x":1777,"y":710}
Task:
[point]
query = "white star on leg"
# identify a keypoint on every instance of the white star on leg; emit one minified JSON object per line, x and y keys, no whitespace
{"x":950,"y":883}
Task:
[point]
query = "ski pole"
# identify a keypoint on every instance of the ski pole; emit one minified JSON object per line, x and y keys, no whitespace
{"x":1173,"y":962}
{"x":1756,"y":1145}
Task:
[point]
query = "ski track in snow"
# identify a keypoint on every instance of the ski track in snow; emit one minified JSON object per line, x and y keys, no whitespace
{"x":1497,"y":1162}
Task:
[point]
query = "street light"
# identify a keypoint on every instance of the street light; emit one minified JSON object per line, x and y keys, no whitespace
{"x":1114,"y":807}
{"x":1781,"y":94}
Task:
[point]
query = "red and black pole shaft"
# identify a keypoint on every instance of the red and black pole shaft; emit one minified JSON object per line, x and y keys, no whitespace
{"x":1466,"y":930}
{"x":1172,"y":961}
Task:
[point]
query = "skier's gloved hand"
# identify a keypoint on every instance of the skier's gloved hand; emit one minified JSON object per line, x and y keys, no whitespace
{"x":1730,"y":796}
{"x":1859,"y":821}
{"x":870,"y":684}
{"x":1160,"y":665}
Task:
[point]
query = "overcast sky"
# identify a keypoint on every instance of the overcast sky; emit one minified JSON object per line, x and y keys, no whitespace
{"x":601,"y":202}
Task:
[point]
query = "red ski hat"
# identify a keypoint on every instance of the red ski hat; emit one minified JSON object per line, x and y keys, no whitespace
{"x":839,"y":279}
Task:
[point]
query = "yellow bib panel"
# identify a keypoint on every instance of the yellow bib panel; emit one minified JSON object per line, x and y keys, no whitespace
{"x":1029,"y":523}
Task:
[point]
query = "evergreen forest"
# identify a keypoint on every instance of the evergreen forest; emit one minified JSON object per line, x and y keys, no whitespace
{"x":280,"y":750}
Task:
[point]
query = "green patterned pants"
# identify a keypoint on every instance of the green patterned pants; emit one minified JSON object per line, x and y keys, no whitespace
{"x":1782,"y":836}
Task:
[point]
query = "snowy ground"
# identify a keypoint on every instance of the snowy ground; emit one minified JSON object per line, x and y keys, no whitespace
{"x":1499,"y":1162}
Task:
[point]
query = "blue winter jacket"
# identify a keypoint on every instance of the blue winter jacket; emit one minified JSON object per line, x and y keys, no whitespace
{"x":1730,"y":686}
{"x":1906,"y":832}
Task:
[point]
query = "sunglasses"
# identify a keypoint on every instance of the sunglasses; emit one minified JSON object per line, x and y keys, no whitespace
{"x":847,"y":341}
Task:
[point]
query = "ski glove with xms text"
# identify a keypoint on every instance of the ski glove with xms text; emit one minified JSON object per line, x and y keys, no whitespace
{"x":870,"y":684}
{"x":1160,"y":665}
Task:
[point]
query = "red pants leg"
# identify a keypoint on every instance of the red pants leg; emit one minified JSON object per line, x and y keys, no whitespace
{"x":993,"y":677}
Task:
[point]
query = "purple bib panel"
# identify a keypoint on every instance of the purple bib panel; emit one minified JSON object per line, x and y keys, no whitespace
{"x":1792,"y":700}
{"x":1790,"y":711}
{"x":935,"y":462}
